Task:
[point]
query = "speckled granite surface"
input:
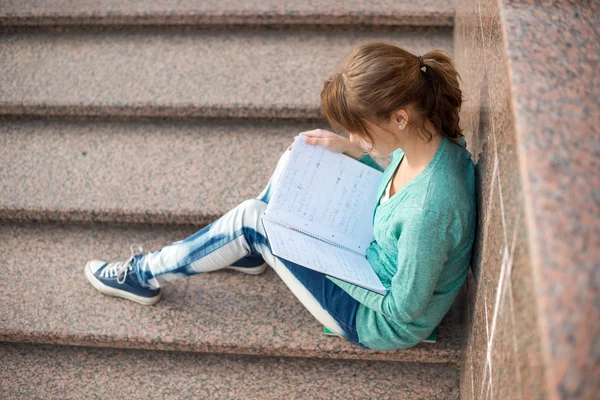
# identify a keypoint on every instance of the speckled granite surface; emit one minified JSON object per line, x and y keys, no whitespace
{"x":532,"y":117}
{"x":180,"y":74}
{"x":557,"y":117}
{"x":161,"y":172}
{"x":136,"y":12}
{"x":46,"y":298}
{"x":61,"y":372}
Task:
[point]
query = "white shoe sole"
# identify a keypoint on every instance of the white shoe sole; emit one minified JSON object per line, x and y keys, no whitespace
{"x":147,"y":301}
{"x":251,"y":271}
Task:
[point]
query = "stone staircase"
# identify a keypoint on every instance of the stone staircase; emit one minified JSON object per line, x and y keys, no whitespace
{"x":122,"y":123}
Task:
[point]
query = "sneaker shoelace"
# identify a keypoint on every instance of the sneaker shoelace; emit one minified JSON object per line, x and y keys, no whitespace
{"x":120,"y":268}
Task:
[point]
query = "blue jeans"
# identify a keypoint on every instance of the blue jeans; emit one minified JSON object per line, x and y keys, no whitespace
{"x":238,"y":239}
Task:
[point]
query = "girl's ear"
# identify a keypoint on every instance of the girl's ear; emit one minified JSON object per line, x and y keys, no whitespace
{"x":400,"y":116}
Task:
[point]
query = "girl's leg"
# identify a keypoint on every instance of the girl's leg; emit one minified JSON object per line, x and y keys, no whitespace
{"x":250,"y":261}
{"x":255,"y":260}
{"x":112,"y":278}
{"x":238,"y":234}
{"x":267,"y":192}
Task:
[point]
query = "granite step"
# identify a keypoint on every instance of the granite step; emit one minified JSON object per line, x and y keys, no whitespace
{"x":161,"y":172}
{"x":232,"y":12}
{"x":46,"y":299}
{"x":190,"y":74}
{"x":58,"y":372}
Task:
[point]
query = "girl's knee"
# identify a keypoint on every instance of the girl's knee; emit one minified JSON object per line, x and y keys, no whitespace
{"x":252,"y":211}
{"x":254,"y":204}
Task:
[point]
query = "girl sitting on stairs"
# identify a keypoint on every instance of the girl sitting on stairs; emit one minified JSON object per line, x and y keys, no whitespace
{"x":391,"y":102}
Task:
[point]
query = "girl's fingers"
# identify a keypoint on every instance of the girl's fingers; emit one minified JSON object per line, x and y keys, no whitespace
{"x":320,"y":133}
{"x":324,"y":142}
{"x":317,"y":133}
{"x":319,"y":137}
{"x":315,"y":140}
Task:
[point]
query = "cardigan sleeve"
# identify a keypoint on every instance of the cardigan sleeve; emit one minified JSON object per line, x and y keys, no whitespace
{"x":423,"y":248}
{"x":370,"y":161}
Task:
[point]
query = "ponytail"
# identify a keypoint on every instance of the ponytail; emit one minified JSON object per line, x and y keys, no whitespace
{"x":442,"y":97}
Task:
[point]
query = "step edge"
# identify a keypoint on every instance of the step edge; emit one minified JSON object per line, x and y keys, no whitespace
{"x":114,"y":216}
{"x":339,"y":351}
{"x":444,"y":17}
{"x":135,"y":111}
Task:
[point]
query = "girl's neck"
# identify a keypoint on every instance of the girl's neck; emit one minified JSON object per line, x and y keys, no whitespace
{"x":418,"y":153}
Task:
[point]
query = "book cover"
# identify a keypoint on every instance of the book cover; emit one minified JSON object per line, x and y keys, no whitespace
{"x":430,"y":339}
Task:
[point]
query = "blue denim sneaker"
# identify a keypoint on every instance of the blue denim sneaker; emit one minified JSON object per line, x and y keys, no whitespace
{"x":114,"y":279}
{"x":250,"y":270}
{"x":248,"y":265}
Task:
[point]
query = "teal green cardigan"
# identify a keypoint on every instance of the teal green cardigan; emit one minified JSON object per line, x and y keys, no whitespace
{"x":422,"y":248}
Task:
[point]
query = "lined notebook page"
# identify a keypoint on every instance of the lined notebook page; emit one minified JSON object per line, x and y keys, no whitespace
{"x":323,"y":257}
{"x":330,"y":195}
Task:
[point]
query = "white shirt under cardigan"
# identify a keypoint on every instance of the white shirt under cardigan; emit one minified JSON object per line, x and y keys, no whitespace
{"x":385,"y":197}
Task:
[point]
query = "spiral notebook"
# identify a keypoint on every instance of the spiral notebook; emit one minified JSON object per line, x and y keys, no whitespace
{"x":321,"y":214}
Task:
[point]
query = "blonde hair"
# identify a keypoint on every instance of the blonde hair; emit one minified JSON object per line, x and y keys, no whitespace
{"x":378,"y":78}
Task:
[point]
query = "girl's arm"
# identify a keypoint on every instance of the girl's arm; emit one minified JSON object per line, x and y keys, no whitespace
{"x":339,"y":144}
{"x":356,"y":152}
{"x":370,"y":161}
{"x":423,"y":248}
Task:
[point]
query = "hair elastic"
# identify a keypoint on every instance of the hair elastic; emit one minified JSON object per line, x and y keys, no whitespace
{"x":422,"y":64}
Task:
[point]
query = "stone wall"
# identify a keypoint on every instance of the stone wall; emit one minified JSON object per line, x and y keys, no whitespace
{"x":530,"y":117}
{"x":502,"y":351}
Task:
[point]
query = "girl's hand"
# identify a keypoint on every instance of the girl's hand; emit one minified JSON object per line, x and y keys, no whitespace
{"x":329,"y":140}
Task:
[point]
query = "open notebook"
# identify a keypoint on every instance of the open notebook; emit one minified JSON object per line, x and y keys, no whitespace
{"x":321,"y":214}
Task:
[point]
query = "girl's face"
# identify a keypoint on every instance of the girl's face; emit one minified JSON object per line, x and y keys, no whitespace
{"x":387,"y":136}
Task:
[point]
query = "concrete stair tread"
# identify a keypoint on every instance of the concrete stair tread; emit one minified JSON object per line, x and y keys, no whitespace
{"x":381,"y":12}
{"x":181,"y":74}
{"x":47,"y":299}
{"x":161,"y":172}
{"x":107,"y":374}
